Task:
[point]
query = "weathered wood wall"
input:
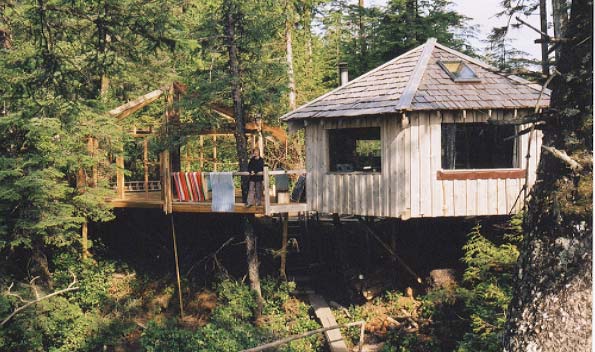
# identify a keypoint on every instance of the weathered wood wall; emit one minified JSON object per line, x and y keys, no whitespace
{"x":408,"y":185}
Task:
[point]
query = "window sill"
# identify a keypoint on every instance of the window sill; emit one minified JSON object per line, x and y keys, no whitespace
{"x":483,"y":174}
{"x":354,"y":173}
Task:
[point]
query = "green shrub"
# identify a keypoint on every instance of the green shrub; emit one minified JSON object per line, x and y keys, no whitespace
{"x":489,"y":286}
{"x":168,"y":338}
{"x":94,"y":279}
{"x":53,"y":324}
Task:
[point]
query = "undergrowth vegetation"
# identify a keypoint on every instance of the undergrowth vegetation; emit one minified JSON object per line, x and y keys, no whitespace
{"x":114,"y":309}
{"x":465,"y":317}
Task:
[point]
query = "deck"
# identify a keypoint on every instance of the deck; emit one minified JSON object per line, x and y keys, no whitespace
{"x":134,"y":195}
{"x":154,"y":200}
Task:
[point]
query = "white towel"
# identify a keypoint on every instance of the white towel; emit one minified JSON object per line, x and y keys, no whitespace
{"x":223,"y":191}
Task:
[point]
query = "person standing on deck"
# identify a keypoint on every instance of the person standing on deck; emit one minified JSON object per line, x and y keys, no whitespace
{"x":255,"y":165}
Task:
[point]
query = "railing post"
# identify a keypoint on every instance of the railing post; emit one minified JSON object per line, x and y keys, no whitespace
{"x":120,"y":176}
{"x":146,"y":166}
{"x":267,"y":198}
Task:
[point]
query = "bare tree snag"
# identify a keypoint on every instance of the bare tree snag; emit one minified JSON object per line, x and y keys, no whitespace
{"x":28,"y":303}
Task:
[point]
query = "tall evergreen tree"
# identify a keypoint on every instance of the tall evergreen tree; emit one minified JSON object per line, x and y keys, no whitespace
{"x":62,"y":55}
{"x":551,"y":308}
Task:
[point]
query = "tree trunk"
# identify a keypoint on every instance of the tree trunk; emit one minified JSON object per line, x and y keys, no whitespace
{"x":362,"y":38}
{"x":289,"y":54}
{"x":552,"y":303}
{"x":411,"y":11}
{"x":545,"y":65}
{"x":230,"y":9}
{"x":556,"y":20}
{"x":308,"y":29}
{"x":253,"y":264}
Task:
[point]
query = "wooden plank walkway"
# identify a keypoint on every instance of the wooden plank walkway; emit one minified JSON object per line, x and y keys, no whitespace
{"x":326,"y":317}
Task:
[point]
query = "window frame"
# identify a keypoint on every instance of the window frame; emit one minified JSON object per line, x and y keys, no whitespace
{"x":515,"y":172}
{"x":327,"y":154}
{"x":442,"y":64}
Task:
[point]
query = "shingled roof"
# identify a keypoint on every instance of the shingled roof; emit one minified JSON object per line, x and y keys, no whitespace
{"x":416,"y":81}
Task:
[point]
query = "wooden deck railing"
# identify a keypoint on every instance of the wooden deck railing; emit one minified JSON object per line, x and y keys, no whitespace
{"x":159,"y":193}
{"x":140,"y":186}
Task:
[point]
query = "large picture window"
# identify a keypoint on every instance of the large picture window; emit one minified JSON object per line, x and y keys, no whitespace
{"x":354,"y":149}
{"x":477,"y":146}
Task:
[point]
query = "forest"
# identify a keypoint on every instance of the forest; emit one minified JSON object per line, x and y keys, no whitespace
{"x":79,"y":272}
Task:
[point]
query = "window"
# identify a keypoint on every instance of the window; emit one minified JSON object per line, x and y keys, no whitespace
{"x":459,"y":71}
{"x":354,"y":149}
{"x":477,"y":146}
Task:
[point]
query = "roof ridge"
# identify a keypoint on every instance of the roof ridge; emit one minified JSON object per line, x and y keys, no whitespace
{"x":416,"y":76}
{"x":491,"y":68}
{"x":355,"y":80}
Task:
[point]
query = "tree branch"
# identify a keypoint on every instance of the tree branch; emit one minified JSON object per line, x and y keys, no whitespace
{"x":70,"y":287}
{"x":560,"y":154}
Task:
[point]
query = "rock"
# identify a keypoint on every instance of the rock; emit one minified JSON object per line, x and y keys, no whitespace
{"x":442,"y":278}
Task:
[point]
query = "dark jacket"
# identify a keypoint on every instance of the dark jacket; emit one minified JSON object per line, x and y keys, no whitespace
{"x":256,"y":165}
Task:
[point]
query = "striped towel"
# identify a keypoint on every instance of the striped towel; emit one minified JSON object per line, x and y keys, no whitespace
{"x":196,"y":185}
{"x":180,"y":186}
{"x":223,"y":191}
{"x":189,"y":186}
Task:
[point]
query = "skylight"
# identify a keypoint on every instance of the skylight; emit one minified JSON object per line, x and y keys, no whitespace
{"x":459,"y":71}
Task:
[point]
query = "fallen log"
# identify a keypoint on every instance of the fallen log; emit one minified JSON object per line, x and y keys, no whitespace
{"x":303,"y":335}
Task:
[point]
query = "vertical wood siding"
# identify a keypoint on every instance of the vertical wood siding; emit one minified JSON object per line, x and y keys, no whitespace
{"x":411,"y":158}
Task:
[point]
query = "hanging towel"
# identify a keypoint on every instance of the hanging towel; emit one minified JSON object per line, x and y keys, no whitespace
{"x":180,"y":186}
{"x":189,"y":186}
{"x":186,"y":178}
{"x":223,"y":191}
{"x":196,"y":186}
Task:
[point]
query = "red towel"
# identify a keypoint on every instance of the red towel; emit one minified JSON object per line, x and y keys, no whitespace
{"x":189,"y":186}
{"x":178,"y":185}
{"x":194,"y":187}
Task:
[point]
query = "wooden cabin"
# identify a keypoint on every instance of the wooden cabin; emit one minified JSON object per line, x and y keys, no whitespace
{"x":430,"y":133}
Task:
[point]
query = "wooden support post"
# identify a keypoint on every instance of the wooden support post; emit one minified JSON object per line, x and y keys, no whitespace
{"x":120,"y":175}
{"x":368,"y":259}
{"x":173,"y":235}
{"x":393,"y":235}
{"x":215,"y":152}
{"x":267,"y":198}
{"x":85,"y":240}
{"x":260,"y":137}
{"x":202,"y":153}
{"x":166,"y":182}
{"x":146,"y":166}
{"x":284,"y":221}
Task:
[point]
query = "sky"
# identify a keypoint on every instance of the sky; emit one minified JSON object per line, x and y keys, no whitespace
{"x":483,"y":13}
